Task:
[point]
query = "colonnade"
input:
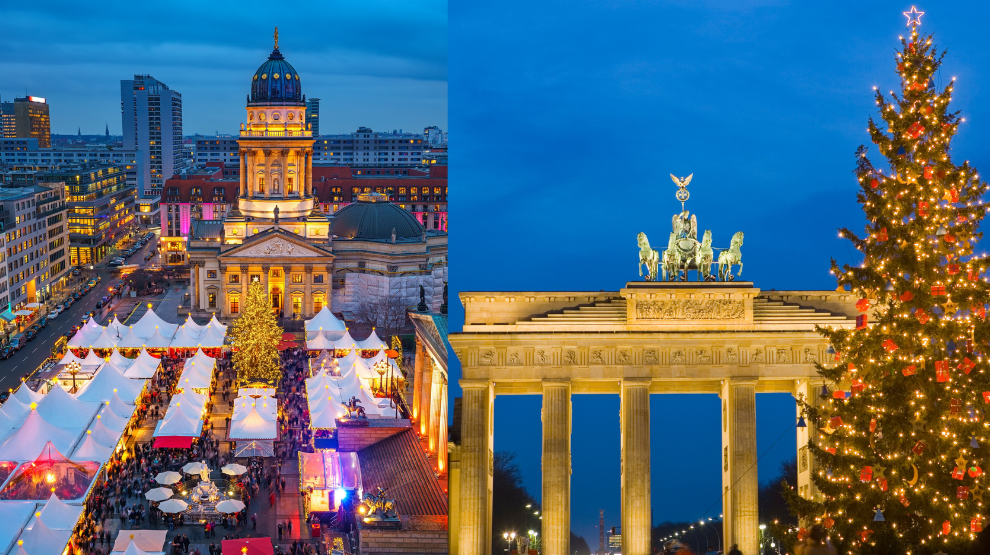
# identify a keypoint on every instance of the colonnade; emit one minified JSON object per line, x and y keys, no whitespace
{"x":307,"y":291}
{"x":429,"y":406}
{"x":264,"y":160}
{"x":740,"y":483}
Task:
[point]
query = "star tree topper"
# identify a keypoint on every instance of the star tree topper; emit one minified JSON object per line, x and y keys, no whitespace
{"x":914,"y":16}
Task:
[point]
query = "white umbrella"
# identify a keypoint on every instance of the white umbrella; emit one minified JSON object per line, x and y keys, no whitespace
{"x":33,"y":305}
{"x":159,"y":494}
{"x":23,"y":313}
{"x":168,"y":477}
{"x":230,"y":506}
{"x":173,"y":506}
{"x":194,"y":468}
{"x":234,"y":469}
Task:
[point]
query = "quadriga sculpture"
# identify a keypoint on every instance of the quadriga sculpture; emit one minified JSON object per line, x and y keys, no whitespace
{"x":647,"y":256}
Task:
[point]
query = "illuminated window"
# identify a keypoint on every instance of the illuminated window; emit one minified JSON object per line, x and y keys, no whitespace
{"x":296,"y":278}
{"x":234,"y":278}
{"x":318,"y":278}
{"x":296,"y":305}
{"x":276,"y":273}
{"x":317,"y":303}
{"x":211,"y":274}
{"x":212,"y":299}
{"x":234,"y":305}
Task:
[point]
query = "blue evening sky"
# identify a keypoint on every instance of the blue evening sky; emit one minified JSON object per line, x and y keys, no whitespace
{"x":568,"y":116}
{"x":377,"y":63}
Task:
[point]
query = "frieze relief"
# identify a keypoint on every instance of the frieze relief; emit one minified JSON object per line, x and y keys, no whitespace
{"x":570,"y":357}
{"x":690,"y":309}
{"x":513,"y":358}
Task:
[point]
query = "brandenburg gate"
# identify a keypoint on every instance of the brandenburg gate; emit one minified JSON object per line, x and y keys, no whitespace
{"x":720,"y":337}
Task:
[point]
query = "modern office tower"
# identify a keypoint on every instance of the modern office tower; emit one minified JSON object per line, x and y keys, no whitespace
{"x":313,"y":115}
{"x":31,"y":120}
{"x":6,"y":119}
{"x":434,"y":136}
{"x":151,"y":115}
{"x":35,"y":231}
{"x":365,"y":148}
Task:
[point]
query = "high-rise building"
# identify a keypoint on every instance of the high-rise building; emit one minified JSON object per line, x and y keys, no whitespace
{"x":36,"y":234}
{"x":151,"y":115}
{"x":313,"y":115}
{"x":31,"y":120}
{"x":365,"y":148}
{"x":434,"y":136}
{"x":7,"y":119}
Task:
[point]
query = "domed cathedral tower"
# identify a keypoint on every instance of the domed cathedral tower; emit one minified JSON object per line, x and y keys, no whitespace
{"x":276,"y":145}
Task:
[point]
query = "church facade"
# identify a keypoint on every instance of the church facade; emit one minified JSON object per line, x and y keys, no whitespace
{"x":278,"y":235}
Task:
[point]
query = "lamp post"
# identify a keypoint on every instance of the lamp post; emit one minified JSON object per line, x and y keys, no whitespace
{"x":73,"y":368}
{"x":509,"y":537}
{"x":381,"y":367}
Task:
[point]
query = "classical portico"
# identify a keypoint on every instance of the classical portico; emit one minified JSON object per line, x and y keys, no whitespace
{"x":725,"y":338}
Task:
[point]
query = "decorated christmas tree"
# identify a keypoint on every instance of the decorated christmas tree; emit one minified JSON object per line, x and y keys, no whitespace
{"x":255,"y":337}
{"x":901,"y":424}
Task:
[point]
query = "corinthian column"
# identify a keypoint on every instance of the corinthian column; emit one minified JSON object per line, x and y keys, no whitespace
{"x":556,"y":467}
{"x":268,"y":174}
{"x":477,"y":465}
{"x":636,"y":514}
{"x":244,"y":174}
{"x":418,"y":379}
{"x":740,"y":483}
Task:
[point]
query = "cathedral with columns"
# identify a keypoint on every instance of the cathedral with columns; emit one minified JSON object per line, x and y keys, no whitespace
{"x":277,"y":233}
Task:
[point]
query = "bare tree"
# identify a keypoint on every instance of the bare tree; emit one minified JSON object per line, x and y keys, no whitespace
{"x":385,"y":309}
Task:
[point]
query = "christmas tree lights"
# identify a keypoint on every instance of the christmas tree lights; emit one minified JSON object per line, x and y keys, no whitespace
{"x":902,"y":427}
{"x":255,"y":336}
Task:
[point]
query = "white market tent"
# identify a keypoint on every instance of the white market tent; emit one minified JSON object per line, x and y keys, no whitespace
{"x":188,"y":409}
{"x":106,"y":382}
{"x":42,"y":539}
{"x":372,"y":343}
{"x":103,"y":435}
{"x":325,"y":321}
{"x":69,"y":357}
{"x":194,"y":379}
{"x":145,"y":541}
{"x":318,"y":341}
{"x":111,"y":420}
{"x":254,"y":425}
{"x":189,"y":397}
{"x":144,"y":366}
{"x":26,"y":395}
{"x":200,"y":359}
{"x":28,"y":441}
{"x":119,"y":407}
{"x":149,"y":322}
{"x":215,"y":324}
{"x":178,"y":425}
{"x":212,"y":337}
{"x":58,"y":515}
{"x":15,"y":409}
{"x":117,"y":329}
{"x":186,"y":338}
{"x":103,"y":341}
{"x":119,"y":360}
{"x":62,"y":410}
{"x":14,"y":516}
{"x":91,"y":450}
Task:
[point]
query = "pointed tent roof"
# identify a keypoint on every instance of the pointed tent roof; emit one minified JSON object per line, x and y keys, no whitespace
{"x":255,"y":425}
{"x":119,"y":407}
{"x":325,"y":321}
{"x":200,"y":359}
{"x":158,"y":340}
{"x":214,"y":323}
{"x":360,"y":369}
{"x":192,"y":326}
{"x":189,"y":397}
{"x":93,"y":359}
{"x":318,"y":341}
{"x":42,"y":539}
{"x":8,"y":421}
{"x":61,"y":409}
{"x":111,"y":420}
{"x":372,"y":343}
{"x":31,"y":437}
{"x":144,"y":366}
{"x":58,"y":515}
{"x":349,"y":386}
{"x":179,"y":425}
{"x":120,"y":361}
{"x":103,"y":435}
{"x":15,"y":409}
{"x":14,"y":516}
{"x":194,"y":377}
{"x":130,"y":340}
{"x":188,"y":409}
{"x":133,"y":549}
{"x":71,"y":357}
{"x":108,"y":379}
{"x":115,"y":328}
{"x":150,"y":321}
{"x":91,"y":450}
{"x":26,"y":395}
{"x":212,"y":337}
{"x":185,"y":338}
{"x":103,"y":341}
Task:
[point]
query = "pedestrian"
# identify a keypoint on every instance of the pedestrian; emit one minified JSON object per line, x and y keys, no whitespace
{"x":735,"y":550}
{"x":280,"y":531}
{"x":254,"y":522}
{"x":185,"y":542}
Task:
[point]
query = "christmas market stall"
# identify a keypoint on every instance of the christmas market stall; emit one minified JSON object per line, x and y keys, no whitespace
{"x":138,"y":542}
{"x":14,"y":516}
{"x":326,"y":478}
{"x":248,"y":546}
{"x":50,"y":472}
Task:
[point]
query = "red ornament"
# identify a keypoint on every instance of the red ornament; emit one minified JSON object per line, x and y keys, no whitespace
{"x":972,"y":274}
{"x":864,"y":535}
{"x":975,"y":472}
{"x":851,"y":367}
{"x":954,"y":195}
{"x":863,"y":305}
{"x":976,"y":524}
{"x":955,"y":406}
{"x":866,"y":474}
{"x":922,"y":316}
{"x":946,"y":528}
{"x":906,"y":296}
{"x":861,"y":321}
{"x":928,"y":172}
{"x":883,"y":484}
{"x":923,"y":209}
{"x":962,"y":492}
{"x":942,"y":376}
{"x":838,"y":394}
{"x":874,"y":183}
{"x":952,"y":269}
{"x":938,"y":290}
{"x":941,"y":365}
{"x":873,"y":425}
{"x":967,"y":365}
{"x":910,"y":370}
{"x":858,"y":387}
{"x":958,"y":473}
{"x":986,"y":396}
{"x":831,"y":450}
{"x":882,"y":235}
{"x":835,"y":422}
{"x":889,"y":345}
{"x":919,"y":448}
{"x":828,"y":522}
{"x":941,"y":173}
{"x":950,"y":238}
{"x":904,"y":501}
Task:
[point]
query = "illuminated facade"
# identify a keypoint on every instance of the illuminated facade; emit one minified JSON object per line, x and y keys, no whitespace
{"x":27,"y":118}
{"x":269,"y":225}
{"x":151,"y":118}
{"x":101,"y":209}
{"x":35,"y":234}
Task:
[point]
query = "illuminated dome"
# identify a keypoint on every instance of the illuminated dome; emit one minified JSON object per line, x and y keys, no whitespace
{"x":372,"y":218}
{"x":276,"y":83}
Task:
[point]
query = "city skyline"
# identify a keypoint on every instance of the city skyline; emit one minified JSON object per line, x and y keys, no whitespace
{"x":385,"y":69}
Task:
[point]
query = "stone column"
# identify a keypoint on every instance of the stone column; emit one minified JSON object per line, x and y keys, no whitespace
{"x":244,"y":287}
{"x":307,"y":308}
{"x":309,"y":172}
{"x":222,"y":293}
{"x":194,"y":285}
{"x":556,"y":467}
{"x":242,"y":168}
{"x":418,"y":379}
{"x":268,"y":175}
{"x":265,"y":270}
{"x":287,"y":294}
{"x":807,"y":391}
{"x":425,"y":400}
{"x":329,"y":287}
{"x":251,"y":164}
{"x":637,"y":517}
{"x":433,"y":444}
{"x":740,"y":482}
{"x":476,"y":467}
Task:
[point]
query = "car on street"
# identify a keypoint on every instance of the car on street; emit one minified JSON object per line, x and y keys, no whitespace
{"x":43,"y":322}
{"x":31,"y":333}
{"x":17,"y":342}
{"x":6,"y":352}
{"x":76,"y":271}
{"x":76,"y":296}
{"x":54,"y":313}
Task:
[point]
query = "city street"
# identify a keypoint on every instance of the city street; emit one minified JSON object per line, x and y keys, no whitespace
{"x":35,"y":352}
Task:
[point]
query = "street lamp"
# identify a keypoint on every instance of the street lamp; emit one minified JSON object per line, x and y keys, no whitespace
{"x":73,"y":368}
{"x":509,"y":537}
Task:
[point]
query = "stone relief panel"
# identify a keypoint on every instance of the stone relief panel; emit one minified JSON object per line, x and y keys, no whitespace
{"x":651,"y":356}
{"x":758,"y":356}
{"x":704,"y":356}
{"x":810,"y":355}
{"x":731,"y":355}
{"x":487,"y":357}
{"x":597,"y":356}
{"x":678,"y":356}
{"x":783,"y":355}
{"x":623,"y":356}
{"x":513,"y":357}
{"x":570,"y":356}
{"x":541,"y":356}
{"x":689,"y":309}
